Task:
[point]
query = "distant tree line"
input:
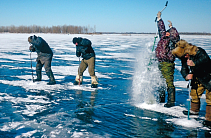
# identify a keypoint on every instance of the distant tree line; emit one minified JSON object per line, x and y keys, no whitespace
{"x":195,"y":33}
{"x":65,"y":29}
{"x":130,"y":33}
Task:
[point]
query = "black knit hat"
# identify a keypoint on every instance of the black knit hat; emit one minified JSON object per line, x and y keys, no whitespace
{"x":77,"y":40}
{"x":34,"y":37}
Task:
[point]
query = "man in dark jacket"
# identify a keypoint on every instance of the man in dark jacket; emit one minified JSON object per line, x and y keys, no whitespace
{"x":84,"y":49}
{"x":45,"y":55}
{"x":166,"y":60}
{"x":198,"y":61}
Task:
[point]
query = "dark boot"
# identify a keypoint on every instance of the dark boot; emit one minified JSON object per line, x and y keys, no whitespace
{"x":51,"y":78}
{"x":207,"y":122}
{"x":39,"y":75}
{"x":171,"y":98}
{"x":194,"y":109}
{"x":190,"y":113}
{"x":162,"y":95}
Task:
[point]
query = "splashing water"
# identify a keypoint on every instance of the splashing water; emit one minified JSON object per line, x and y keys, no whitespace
{"x":147,"y":78}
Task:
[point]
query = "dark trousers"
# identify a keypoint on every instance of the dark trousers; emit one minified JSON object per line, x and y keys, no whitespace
{"x":44,"y":59}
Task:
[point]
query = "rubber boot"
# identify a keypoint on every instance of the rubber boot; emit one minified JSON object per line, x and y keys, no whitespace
{"x":94,"y":82}
{"x":51,"y":78}
{"x":39,"y":75}
{"x":207,"y":121}
{"x":194,"y":110}
{"x":171,"y":98}
{"x":78,"y":80}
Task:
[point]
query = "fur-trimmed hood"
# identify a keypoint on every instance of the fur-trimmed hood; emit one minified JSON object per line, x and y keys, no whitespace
{"x":182,"y":48}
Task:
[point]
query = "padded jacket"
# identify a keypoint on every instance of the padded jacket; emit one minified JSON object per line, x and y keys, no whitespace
{"x":41,"y":46}
{"x":201,"y":70}
{"x":166,"y":43}
{"x":85,"y":49}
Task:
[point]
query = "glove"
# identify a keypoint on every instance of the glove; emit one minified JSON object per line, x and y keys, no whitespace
{"x":170,"y":24}
{"x":31,"y":48}
{"x":158,"y":15}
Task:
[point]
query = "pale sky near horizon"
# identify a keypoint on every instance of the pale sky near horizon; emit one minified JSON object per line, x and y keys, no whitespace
{"x":108,"y":15}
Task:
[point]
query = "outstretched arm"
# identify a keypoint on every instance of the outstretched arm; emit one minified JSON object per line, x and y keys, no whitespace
{"x":161,"y":28}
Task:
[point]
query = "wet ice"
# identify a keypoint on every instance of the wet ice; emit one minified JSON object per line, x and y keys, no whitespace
{"x":124,"y":105}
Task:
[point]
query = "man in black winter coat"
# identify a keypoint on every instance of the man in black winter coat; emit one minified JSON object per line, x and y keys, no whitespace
{"x":45,"y":55}
{"x":84,"y":49}
{"x":196,"y":66}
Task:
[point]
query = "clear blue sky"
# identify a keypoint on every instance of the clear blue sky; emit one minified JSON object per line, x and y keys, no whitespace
{"x":108,"y":15}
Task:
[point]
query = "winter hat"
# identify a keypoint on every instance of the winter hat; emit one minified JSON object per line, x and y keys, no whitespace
{"x":182,"y":48}
{"x":31,"y":38}
{"x":77,"y":40}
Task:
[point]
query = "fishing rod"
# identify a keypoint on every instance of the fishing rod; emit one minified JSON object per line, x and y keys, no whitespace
{"x":189,"y":90}
{"x":162,"y":10}
{"x":31,"y":68}
{"x":165,"y":6}
{"x":156,"y":35}
{"x":79,"y":72}
{"x":189,"y":99}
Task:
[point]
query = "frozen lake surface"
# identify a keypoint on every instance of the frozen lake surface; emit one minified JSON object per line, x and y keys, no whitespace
{"x":124,"y":104}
